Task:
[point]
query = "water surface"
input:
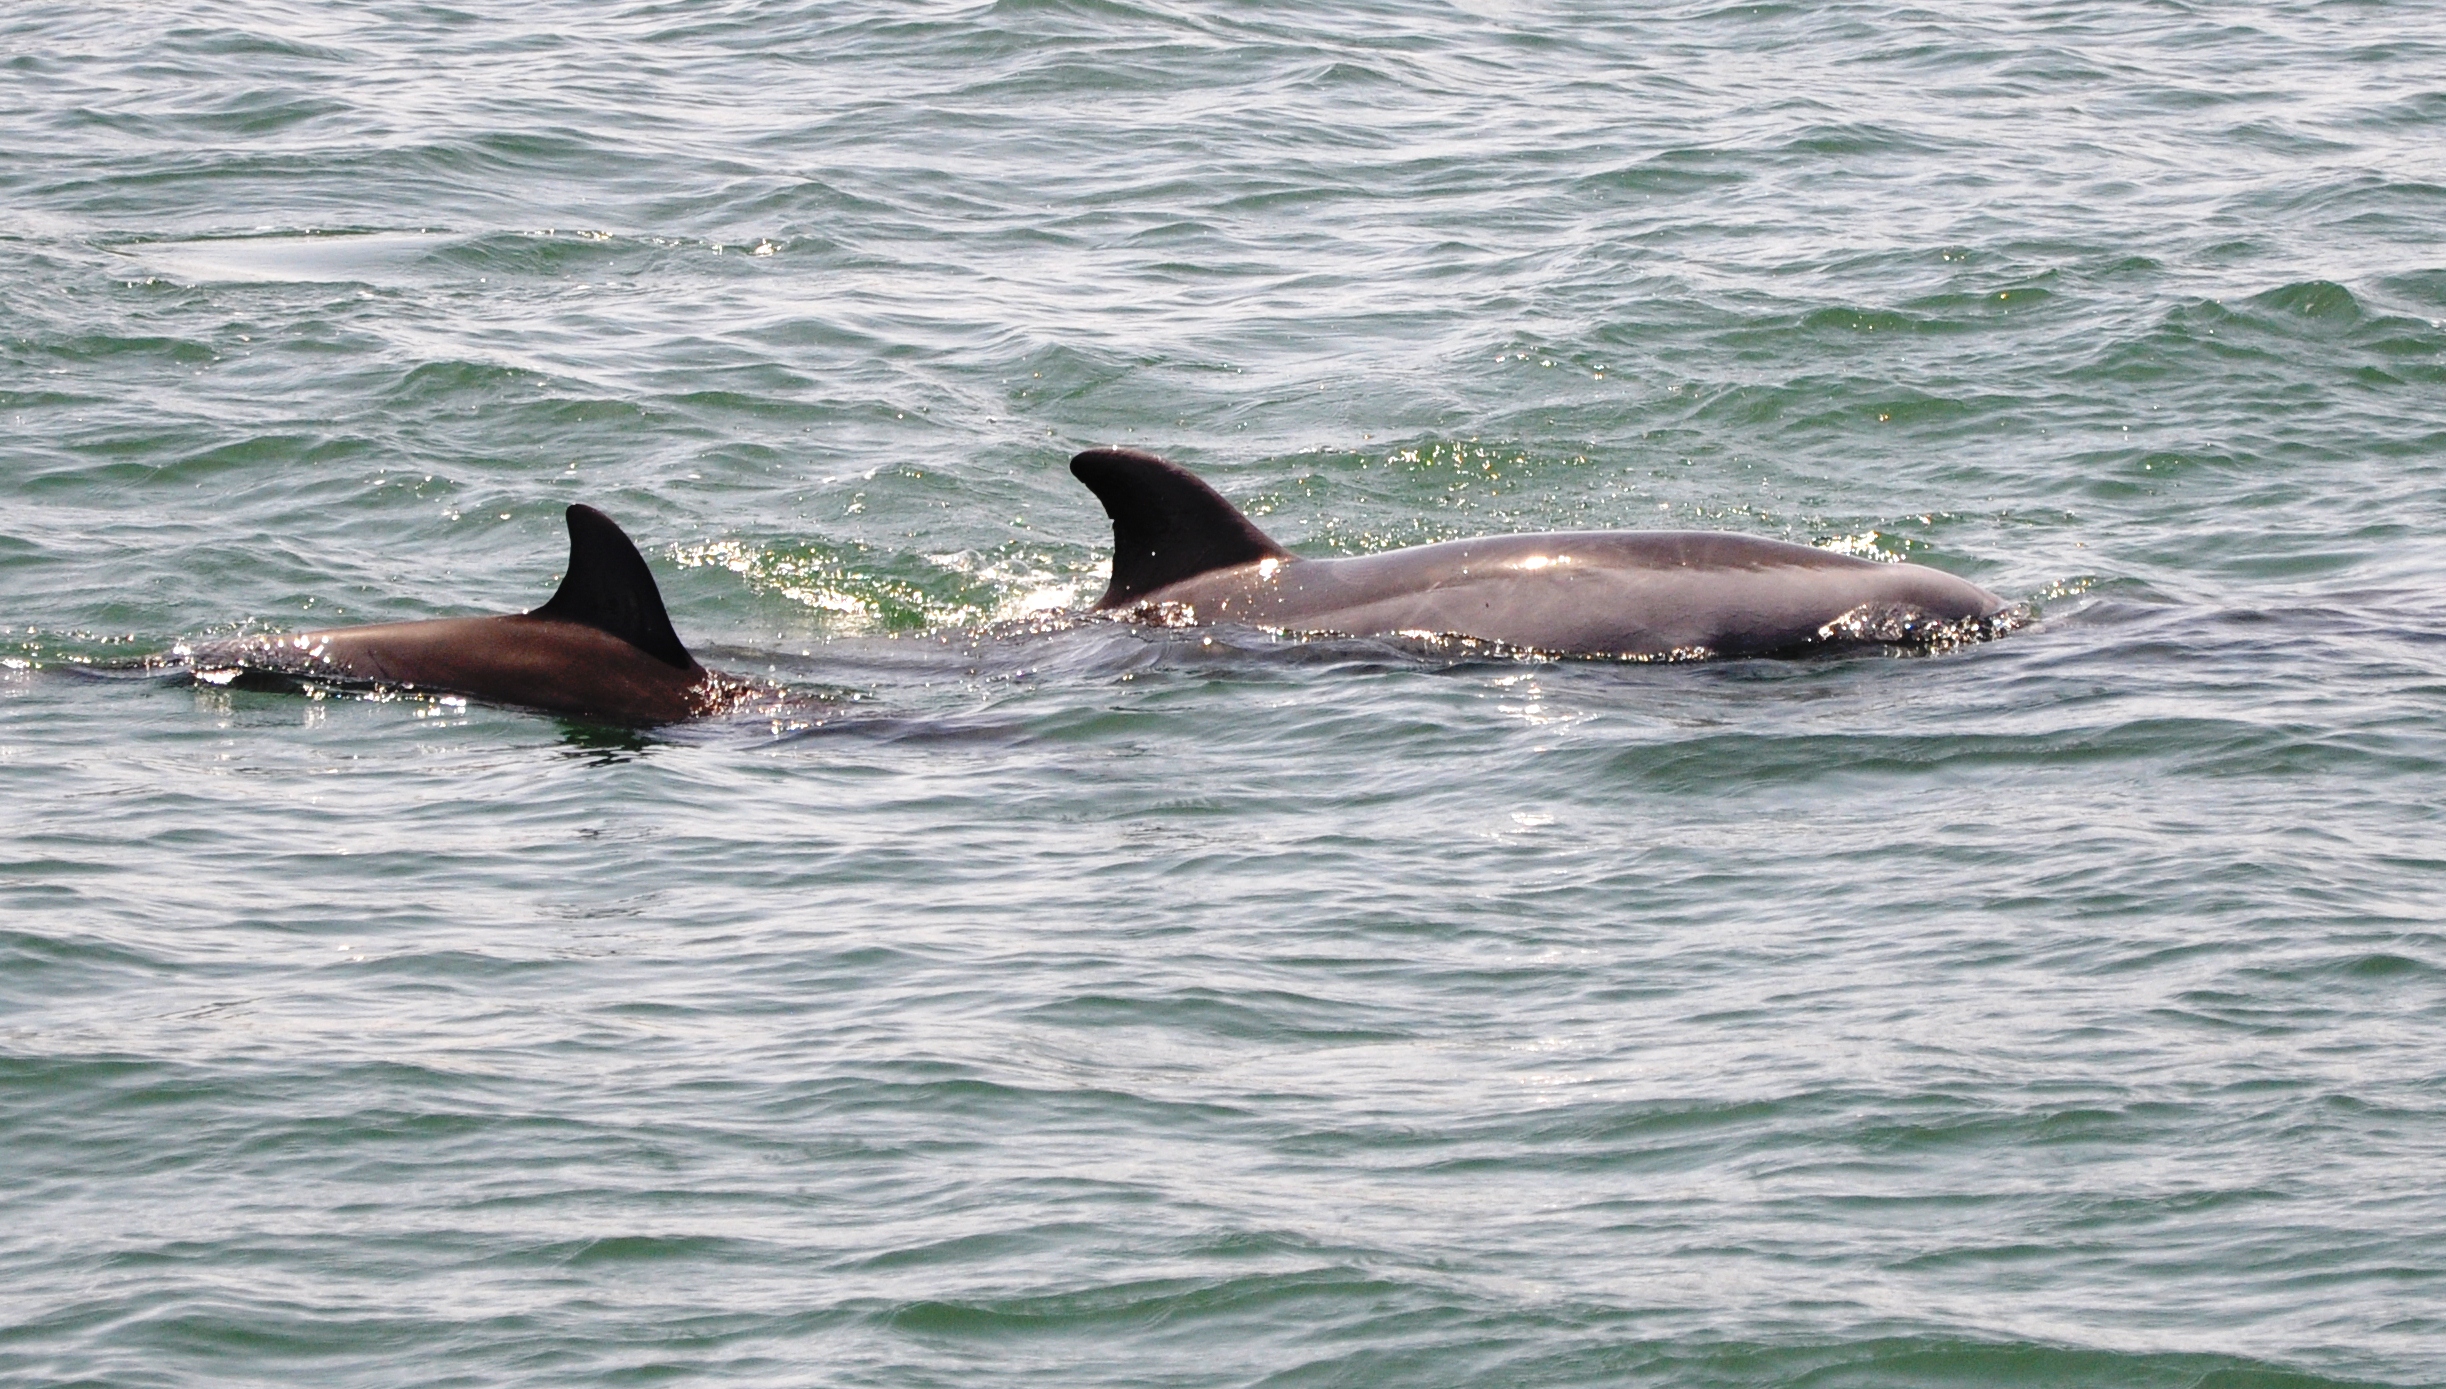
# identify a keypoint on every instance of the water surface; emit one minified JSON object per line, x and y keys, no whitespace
{"x":1102,"y":1005}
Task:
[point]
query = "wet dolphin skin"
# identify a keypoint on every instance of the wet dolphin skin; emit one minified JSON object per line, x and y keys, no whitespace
{"x":602,"y":648}
{"x":1179,"y":548}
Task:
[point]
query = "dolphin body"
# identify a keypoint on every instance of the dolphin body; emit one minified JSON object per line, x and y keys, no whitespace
{"x":1183,"y":553}
{"x":602,"y":648}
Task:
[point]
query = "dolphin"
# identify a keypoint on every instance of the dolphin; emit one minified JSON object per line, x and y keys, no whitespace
{"x":602,"y":648}
{"x":1183,"y":554}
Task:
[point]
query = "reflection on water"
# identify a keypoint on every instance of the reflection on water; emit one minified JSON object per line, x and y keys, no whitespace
{"x":358,"y":257}
{"x":601,"y":745}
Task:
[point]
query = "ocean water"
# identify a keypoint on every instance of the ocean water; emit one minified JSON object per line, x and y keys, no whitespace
{"x":1085,"y":1004}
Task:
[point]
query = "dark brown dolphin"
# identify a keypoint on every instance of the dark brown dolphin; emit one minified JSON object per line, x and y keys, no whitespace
{"x":602,"y":648}
{"x":1181,"y":550}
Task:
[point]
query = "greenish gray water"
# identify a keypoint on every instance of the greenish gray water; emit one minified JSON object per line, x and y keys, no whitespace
{"x":1097,"y":1005}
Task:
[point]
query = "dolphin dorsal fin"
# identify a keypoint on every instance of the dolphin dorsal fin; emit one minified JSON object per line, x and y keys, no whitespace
{"x":1167,"y":525}
{"x":609,"y":588}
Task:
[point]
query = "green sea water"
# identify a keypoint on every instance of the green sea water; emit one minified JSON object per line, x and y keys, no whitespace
{"x":1091,"y":1004}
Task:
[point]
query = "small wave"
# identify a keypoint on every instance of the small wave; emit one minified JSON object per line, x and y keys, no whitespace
{"x":2317,"y":301}
{"x":860,"y":589}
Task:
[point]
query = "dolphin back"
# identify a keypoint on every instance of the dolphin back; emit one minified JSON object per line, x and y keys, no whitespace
{"x":609,"y":588}
{"x":1641,"y":594}
{"x":1167,"y":525}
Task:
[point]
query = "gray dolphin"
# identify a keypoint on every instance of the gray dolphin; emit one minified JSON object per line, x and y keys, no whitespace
{"x":602,"y":648}
{"x":1181,"y":550}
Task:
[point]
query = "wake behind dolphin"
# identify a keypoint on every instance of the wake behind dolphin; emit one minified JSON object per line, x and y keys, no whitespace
{"x":1183,"y":554}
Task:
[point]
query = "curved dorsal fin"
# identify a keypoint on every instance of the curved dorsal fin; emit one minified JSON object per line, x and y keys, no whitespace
{"x":609,"y":588}
{"x":1167,"y":525}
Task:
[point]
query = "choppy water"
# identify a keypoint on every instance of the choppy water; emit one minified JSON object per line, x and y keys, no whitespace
{"x":1109,"y":1008}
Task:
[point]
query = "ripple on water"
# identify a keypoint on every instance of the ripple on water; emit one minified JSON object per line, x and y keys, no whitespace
{"x":1090,"y":1003}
